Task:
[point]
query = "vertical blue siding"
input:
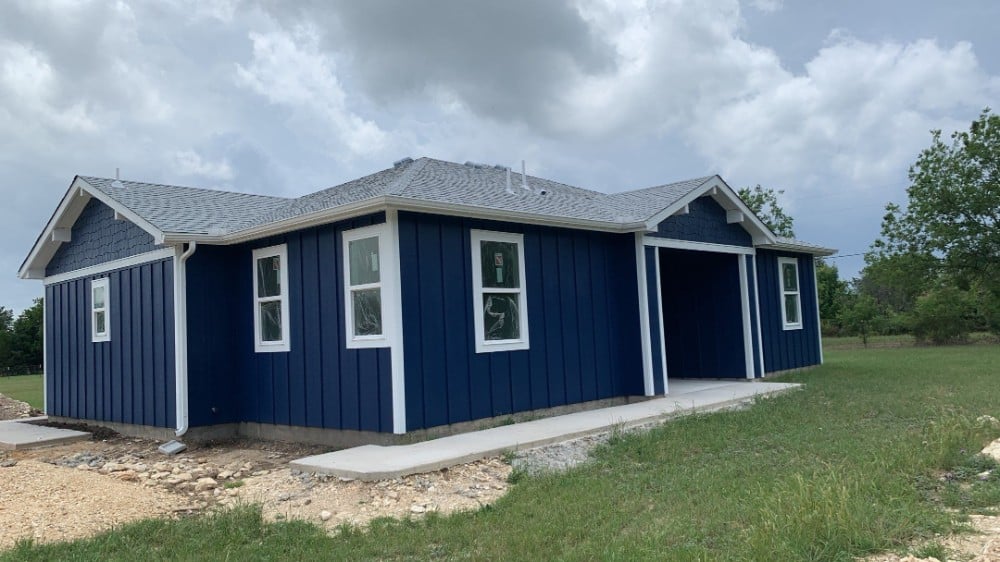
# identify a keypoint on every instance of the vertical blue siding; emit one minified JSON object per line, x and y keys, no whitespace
{"x":97,"y":238}
{"x":582,"y":322}
{"x":703,"y":315}
{"x":787,"y":349}
{"x":129,"y":379}
{"x":653,"y":300}
{"x":706,"y":222}
{"x":319,"y":382}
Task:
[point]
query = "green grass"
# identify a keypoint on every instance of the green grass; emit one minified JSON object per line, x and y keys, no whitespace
{"x":27,"y":388}
{"x":852,"y":465}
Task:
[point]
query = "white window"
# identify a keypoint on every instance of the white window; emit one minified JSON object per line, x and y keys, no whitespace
{"x":498,"y":291}
{"x":791,"y":300}
{"x":270,"y":295}
{"x":100,"y":311}
{"x":366,"y":273}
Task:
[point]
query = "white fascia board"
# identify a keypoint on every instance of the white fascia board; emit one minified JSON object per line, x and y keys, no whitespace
{"x":138,"y":259}
{"x":385,"y":203}
{"x":720,"y":191}
{"x":68,"y":210}
{"x":122,"y":210}
{"x":799,"y":248}
{"x":697,"y":246}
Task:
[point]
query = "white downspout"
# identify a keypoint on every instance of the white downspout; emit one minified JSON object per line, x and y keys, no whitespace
{"x":180,"y":337}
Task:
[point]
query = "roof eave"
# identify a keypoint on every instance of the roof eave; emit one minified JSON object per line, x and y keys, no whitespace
{"x":800,"y":248}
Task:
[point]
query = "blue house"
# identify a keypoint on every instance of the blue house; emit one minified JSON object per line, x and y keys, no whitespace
{"x":426,"y":298}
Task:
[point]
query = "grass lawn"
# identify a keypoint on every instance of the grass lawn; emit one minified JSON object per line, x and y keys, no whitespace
{"x":846,"y":467}
{"x":27,"y":388}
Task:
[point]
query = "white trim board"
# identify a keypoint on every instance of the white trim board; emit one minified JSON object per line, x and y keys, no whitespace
{"x":647,"y":345}
{"x":393,"y":312}
{"x":659,"y":304}
{"x":696,"y":246}
{"x":819,"y":321}
{"x":745,"y":309}
{"x":108,"y":266}
{"x":756,"y":303}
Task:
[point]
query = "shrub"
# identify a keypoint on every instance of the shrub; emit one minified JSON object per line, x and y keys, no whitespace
{"x":945,"y":314}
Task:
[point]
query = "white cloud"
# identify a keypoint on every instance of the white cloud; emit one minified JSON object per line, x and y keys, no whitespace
{"x":288,"y":69}
{"x":190,"y":163}
{"x":766,"y":5}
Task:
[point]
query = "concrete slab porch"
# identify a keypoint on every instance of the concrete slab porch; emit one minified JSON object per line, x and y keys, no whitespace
{"x":375,"y":462}
{"x":17,"y":435}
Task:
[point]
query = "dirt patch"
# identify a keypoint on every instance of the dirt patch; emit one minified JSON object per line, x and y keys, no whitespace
{"x":51,"y":503}
{"x":11,"y":409}
{"x":982,"y":544}
{"x":72,"y":491}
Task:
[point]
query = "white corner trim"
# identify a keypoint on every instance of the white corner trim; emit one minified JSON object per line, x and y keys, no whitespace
{"x":659,"y":305}
{"x":260,"y":346}
{"x":647,"y":345}
{"x":697,"y":246}
{"x":108,"y":266}
{"x":382,"y":232}
{"x":785,"y":324}
{"x":819,"y":321}
{"x":745,"y":307}
{"x":394,"y":316}
{"x":756,"y":303}
{"x":45,"y":356}
{"x":482,"y":345}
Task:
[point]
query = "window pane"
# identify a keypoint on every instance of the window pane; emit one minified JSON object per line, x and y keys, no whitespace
{"x":364,"y":260}
{"x":270,"y":321}
{"x":788,"y":274}
{"x":99,"y":297}
{"x":792,"y":309}
{"x":367,"y":312}
{"x":500,"y":264}
{"x":269,"y":277}
{"x":501,"y":320}
{"x":100,"y":324}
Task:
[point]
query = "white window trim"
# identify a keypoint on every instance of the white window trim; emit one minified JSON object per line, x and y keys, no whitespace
{"x":783,"y":293}
{"x":96,"y":337}
{"x":387,"y":276}
{"x":284,"y":344}
{"x":483,"y":346}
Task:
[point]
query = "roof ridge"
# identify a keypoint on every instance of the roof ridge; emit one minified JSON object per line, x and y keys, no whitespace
{"x":701,"y":181}
{"x":399,"y":185}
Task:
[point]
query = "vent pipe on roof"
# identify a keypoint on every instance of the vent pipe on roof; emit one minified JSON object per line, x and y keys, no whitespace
{"x":509,"y":190}
{"x":117,"y":170}
{"x":117,"y":182}
{"x":524,"y":178}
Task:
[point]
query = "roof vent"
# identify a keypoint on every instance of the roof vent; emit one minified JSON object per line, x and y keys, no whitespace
{"x":476,"y":165}
{"x":117,"y":183}
{"x":402,"y":162}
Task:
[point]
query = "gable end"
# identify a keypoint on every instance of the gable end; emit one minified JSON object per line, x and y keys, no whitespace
{"x":705,"y":221}
{"x":98,"y":237}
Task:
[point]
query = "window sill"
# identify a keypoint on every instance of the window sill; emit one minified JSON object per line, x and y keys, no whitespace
{"x":508,"y":345}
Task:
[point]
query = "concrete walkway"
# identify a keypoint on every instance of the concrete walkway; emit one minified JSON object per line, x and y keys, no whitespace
{"x":18,"y":434}
{"x":375,"y":462}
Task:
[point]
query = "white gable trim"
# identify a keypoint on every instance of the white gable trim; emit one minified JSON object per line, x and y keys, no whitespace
{"x":59,"y":227}
{"x":724,"y":195}
{"x":138,"y":259}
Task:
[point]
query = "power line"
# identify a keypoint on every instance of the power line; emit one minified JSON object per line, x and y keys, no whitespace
{"x":838,"y":256}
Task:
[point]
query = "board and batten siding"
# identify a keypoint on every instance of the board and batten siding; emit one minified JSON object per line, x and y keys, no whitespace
{"x":98,"y":238}
{"x":129,"y":379}
{"x":319,"y":382}
{"x":787,"y":349}
{"x":582,"y":322}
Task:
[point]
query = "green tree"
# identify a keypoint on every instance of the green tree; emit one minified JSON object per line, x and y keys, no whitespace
{"x":832,"y":291}
{"x":26,"y":337}
{"x":863,"y":317}
{"x":763,"y":201}
{"x":952,"y":213}
{"x":6,"y":324}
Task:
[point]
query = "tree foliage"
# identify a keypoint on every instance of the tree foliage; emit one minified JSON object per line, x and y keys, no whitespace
{"x":21,"y":338}
{"x":763,"y":201}
{"x":952,"y":216}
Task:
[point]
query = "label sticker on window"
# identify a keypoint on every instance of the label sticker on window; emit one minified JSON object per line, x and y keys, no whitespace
{"x":277,"y":263}
{"x":374,"y":260}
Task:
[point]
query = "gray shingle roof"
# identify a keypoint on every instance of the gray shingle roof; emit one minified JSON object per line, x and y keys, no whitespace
{"x":187,"y":210}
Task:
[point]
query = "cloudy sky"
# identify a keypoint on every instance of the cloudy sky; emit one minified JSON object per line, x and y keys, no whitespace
{"x":829,"y":101}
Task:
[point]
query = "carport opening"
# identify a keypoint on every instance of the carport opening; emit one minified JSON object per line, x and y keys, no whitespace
{"x":702,"y":314}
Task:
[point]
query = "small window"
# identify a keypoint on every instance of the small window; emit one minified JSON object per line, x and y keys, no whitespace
{"x":499,"y":299}
{"x":364,"y":257}
{"x":791,"y":301}
{"x":270,"y":293}
{"x":100,"y":310}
